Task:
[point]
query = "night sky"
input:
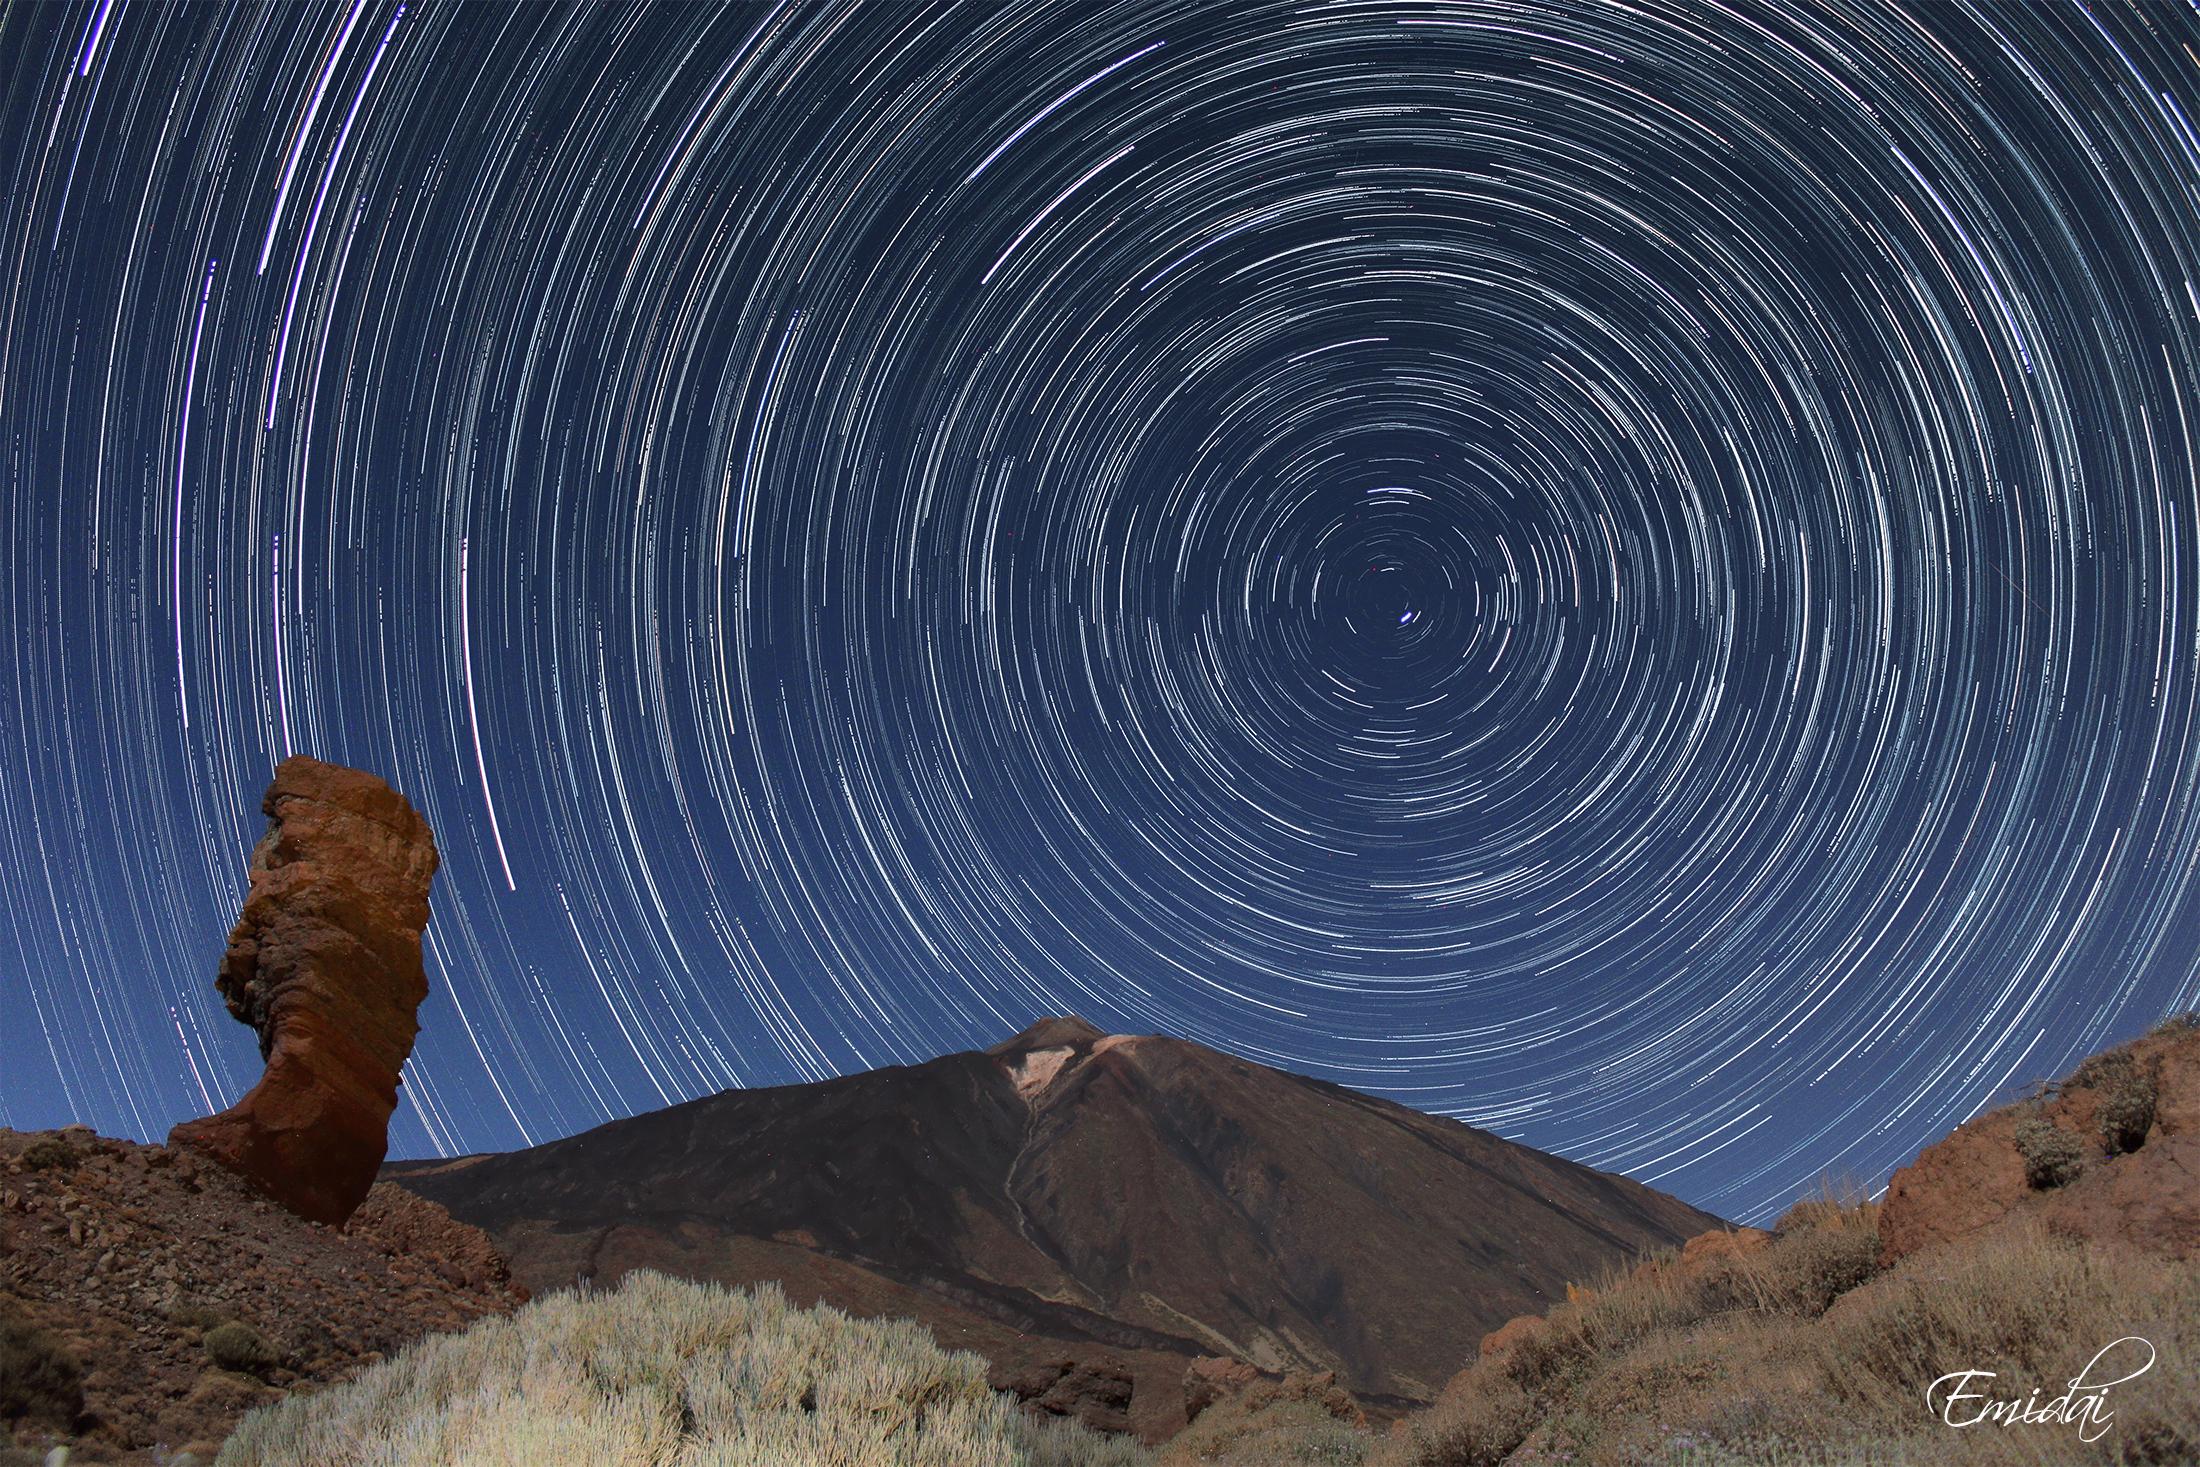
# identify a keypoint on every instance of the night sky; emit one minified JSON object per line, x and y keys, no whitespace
{"x":1624,"y":572}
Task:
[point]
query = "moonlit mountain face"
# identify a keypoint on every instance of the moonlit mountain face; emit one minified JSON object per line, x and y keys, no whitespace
{"x":1622,"y":572}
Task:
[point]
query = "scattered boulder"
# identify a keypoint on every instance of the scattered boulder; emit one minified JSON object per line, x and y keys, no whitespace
{"x":2112,"y":1153}
{"x":427,"y":1243}
{"x":1213,"y":1380}
{"x":1317,"y":1387}
{"x":324,"y":963}
{"x":1095,"y":1391}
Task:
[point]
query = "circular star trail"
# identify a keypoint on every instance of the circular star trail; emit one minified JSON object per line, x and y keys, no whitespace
{"x":1622,"y":572}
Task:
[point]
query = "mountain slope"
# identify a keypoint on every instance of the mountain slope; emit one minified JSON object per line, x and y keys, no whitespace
{"x":1069,"y":1195}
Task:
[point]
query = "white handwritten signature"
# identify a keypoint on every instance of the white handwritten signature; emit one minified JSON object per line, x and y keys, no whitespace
{"x":2084,"y":1404}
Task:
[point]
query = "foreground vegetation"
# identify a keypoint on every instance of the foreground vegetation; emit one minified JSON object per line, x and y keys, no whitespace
{"x":1796,"y":1351}
{"x":662,"y":1373}
{"x":1800,"y":1352}
{"x":1793,"y":1349}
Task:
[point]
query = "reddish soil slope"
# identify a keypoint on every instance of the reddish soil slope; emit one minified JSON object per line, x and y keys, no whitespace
{"x":2109,"y":1154}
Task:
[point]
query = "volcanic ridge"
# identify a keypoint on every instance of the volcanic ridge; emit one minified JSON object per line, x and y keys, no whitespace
{"x":1090,"y":1212}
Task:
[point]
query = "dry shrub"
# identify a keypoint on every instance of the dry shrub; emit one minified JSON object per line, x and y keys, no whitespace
{"x":1663,"y":1358}
{"x":1734,"y":1379}
{"x":185,"y":1312}
{"x":1767,"y":1385}
{"x":1303,"y":1420}
{"x":1624,"y":1308}
{"x":2128,"y":1094}
{"x":2093,"y":1072}
{"x":1839,"y":1199}
{"x":239,"y":1347}
{"x":1796,"y":1351}
{"x":2052,"y":1156}
{"x":1802,"y":1270}
{"x":48,"y":1154}
{"x":2034,"y":1310}
{"x":1477,"y":1421}
{"x":1799,"y":1272}
{"x":662,"y":1373}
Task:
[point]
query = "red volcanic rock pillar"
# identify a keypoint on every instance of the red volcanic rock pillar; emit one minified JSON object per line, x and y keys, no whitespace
{"x":325,"y":964}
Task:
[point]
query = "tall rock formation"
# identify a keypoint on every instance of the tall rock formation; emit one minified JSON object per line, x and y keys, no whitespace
{"x":324,"y":963}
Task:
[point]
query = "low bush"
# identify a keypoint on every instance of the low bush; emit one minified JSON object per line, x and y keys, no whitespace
{"x":1274,"y":1433}
{"x":1800,"y":1272}
{"x":1839,"y":1199}
{"x":239,"y":1347}
{"x":1666,"y":1340}
{"x":1768,"y":1384}
{"x":1613,"y":1315}
{"x":50,"y":1153}
{"x":41,"y":1383}
{"x":185,"y":1312}
{"x":1477,"y":1422}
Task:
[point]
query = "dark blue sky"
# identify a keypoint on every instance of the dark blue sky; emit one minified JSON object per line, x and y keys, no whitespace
{"x":1624,"y":573}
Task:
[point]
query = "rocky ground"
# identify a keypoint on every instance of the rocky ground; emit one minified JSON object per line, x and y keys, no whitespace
{"x":135,"y":1261}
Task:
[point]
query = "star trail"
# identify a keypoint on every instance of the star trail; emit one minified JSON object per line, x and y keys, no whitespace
{"x":1622,"y":572}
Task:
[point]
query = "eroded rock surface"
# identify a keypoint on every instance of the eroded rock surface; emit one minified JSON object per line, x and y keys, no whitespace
{"x":324,"y":963}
